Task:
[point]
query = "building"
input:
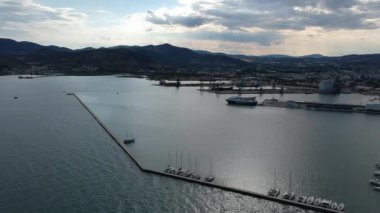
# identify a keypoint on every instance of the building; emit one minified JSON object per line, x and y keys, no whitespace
{"x":328,"y":87}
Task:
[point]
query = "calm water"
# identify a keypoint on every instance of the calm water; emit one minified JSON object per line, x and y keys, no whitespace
{"x":56,"y":158}
{"x":327,"y":154}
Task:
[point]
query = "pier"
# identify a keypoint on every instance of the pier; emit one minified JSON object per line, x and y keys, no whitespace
{"x":209,"y":184}
{"x":333,"y":107}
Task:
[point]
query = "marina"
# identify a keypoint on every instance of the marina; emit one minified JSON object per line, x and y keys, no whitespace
{"x":207,"y":183}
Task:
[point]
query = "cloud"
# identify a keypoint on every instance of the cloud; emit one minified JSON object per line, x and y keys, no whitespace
{"x":190,"y":20}
{"x":27,"y":11}
{"x":277,"y":14}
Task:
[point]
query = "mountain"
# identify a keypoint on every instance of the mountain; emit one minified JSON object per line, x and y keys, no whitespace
{"x":11,"y":47}
{"x":113,"y":59}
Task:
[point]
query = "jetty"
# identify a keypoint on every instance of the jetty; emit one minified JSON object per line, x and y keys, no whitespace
{"x":204,"y":183}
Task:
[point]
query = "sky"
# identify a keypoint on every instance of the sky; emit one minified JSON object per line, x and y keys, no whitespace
{"x":251,"y":27}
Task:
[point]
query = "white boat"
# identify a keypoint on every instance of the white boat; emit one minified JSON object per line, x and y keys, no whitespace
{"x":195,"y":174}
{"x":377,"y":188}
{"x":274,"y":192}
{"x":169,"y":169}
{"x":378,"y":165}
{"x":310,"y":200}
{"x":301,"y":199}
{"x":326,"y":203}
{"x":210,"y":177}
{"x":317,"y":202}
{"x":289,"y":196}
{"x":377,"y":173}
{"x":334,"y":205}
{"x":340,"y":207}
{"x":237,"y":100}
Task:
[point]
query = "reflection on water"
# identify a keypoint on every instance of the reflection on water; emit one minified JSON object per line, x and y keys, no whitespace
{"x":328,"y":154}
{"x":55,"y":158}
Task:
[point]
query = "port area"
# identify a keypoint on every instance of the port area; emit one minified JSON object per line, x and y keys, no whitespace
{"x":204,"y":183}
{"x":352,"y":108}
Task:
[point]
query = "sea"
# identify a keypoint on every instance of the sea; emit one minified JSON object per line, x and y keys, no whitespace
{"x":55,"y":157}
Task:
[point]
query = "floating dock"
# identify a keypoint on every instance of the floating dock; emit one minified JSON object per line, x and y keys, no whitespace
{"x":214,"y":185}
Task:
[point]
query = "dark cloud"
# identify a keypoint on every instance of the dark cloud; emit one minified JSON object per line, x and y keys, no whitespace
{"x":265,"y":38}
{"x":185,"y":20}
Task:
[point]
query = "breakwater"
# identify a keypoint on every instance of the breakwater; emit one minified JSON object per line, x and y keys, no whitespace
{"x":214,"y":185}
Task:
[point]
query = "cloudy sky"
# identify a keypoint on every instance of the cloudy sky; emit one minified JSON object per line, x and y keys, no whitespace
{"x":258,"y":27}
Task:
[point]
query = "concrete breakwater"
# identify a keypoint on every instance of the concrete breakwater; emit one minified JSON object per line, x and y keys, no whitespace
{"x":215,"y":185}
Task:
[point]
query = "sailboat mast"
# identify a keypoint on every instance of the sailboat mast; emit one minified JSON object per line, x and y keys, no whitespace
{"x":169,"y":160}
{"x":176,"y":161}
{"x":181,"y":159}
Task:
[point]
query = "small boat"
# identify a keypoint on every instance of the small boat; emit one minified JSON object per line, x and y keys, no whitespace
{"x":333,"y":205}
{"x":129,"y":139}
{"x":301,"y":199}
{"x":375,"y":182}
{"x":377,"y":188}
{"x":310,"y":200}
{"x":274,"y":192}
{"x":237,"y":100}
{"x":377,"y":173}
{"x":210,"y":177}
{"x":187,"y":173}
{"x":317,"y":202}
{"x":378,"y":165}
{"x":326,"y":203}
{"x":340,"y":207}
{"x":289,"y":196}
{"x":169,"y":169}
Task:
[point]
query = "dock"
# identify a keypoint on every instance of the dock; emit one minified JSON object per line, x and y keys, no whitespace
{"x":318,"y":106}
{"x":208,"y":184}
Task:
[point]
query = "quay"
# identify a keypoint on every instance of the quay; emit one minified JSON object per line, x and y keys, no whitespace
{"x":213,"y":185}
{"x":352,"y":108}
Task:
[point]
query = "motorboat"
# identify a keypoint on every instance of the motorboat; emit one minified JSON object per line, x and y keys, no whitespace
{"x":377,"y":173}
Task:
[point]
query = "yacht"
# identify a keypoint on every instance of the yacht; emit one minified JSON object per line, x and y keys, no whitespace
{"x":340,"y":207}
{"x":289,"y":196}
{"x":301,"y":199}
{"x":210,"y":177}
{"x":237,"y":100}
{"x":310,"y":200}
{"x":326,"y":203}
{"x":274,"y":192}
{"x":334,"y":205}
{"x":317,"y":202}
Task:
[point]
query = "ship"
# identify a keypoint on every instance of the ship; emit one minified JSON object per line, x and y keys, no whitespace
{"x":237,"y":100}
